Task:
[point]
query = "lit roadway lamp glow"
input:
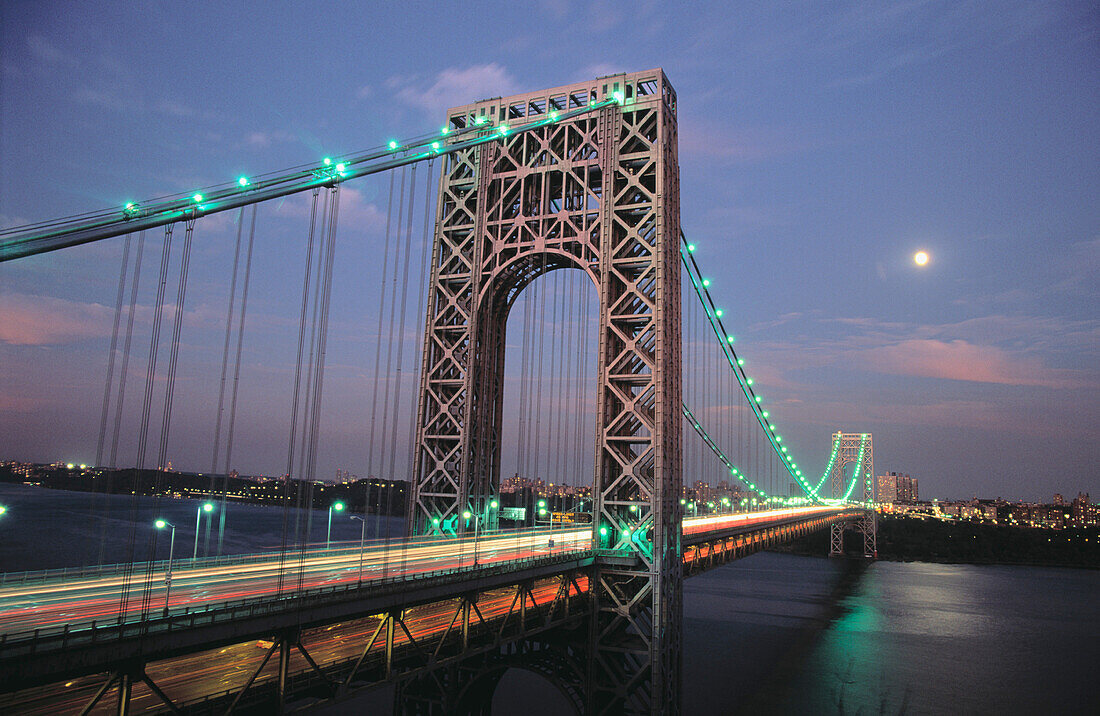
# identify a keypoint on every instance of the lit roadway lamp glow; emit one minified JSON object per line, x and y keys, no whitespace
{"x":339,"y":507}
{"x":161,"y":524}
{"x":204,"y":507}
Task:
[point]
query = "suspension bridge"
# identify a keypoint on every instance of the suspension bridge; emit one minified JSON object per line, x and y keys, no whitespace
{"x":648,"y":404}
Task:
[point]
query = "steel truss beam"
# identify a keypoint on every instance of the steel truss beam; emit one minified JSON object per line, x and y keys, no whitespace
{"x":393,"y":650}
{"x":125,"y":681}
{"x":598,"y":193}
{"x":708,"y":555}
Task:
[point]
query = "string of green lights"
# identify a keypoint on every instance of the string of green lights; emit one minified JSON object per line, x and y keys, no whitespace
{"x":32,"y":239}
{"x":726,"y":340}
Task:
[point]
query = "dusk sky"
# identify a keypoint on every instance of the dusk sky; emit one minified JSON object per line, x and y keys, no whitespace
{"x":821,"y":146}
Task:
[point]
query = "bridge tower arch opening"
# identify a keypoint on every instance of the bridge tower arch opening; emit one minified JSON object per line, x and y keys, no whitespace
{"x":548,"y":425}
{"x":596,"y":190}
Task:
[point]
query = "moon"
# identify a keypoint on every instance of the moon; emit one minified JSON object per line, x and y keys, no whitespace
{"x":920,"y":258}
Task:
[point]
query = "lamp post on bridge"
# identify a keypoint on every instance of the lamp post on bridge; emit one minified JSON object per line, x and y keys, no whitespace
{"x":339,"y":507}
{"x":204,"y":507}
{"x":161,"y":524}
{"x":362,"y":541}
{"x":477,"y":518}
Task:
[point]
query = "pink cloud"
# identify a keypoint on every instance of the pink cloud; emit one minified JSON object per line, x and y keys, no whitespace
{"x":454,"y":86}
{"x":960,"y":360}
{"x":42,"y":320}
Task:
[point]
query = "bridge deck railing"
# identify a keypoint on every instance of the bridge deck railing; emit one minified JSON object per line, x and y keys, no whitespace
{"x":98,"y":631}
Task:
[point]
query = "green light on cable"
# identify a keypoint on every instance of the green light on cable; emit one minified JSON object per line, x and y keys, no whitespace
{"x":197,"y":198}
{"x":243,"y":181}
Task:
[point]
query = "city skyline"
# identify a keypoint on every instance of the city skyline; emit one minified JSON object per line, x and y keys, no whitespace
{"x":820,"y":149}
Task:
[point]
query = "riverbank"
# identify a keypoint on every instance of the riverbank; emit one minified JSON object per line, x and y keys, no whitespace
{"x":902,"y":539}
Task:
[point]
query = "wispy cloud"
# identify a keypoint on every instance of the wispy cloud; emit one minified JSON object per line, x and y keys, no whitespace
{"x":262,"y":140}
{"x":457,"y":86}
{"x":960,"y":360}
{"x":44,"y":320}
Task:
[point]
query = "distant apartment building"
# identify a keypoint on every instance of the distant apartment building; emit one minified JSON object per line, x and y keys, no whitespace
{"x":894,"y":487}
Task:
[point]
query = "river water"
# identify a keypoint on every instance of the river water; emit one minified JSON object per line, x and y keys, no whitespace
{"x":773,"y":633}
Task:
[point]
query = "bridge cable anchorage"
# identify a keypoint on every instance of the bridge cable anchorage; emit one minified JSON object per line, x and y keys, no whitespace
{"x":32,"y":239}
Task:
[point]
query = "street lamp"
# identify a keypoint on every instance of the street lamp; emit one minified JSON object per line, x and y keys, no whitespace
{"x":339,"y":507}
{"x":204,"y":507}
{"x":362,"y":540}
{"x":477,"y":518}
{"x":542,"y":512}
{"x":3,"y":509}
{"x":161,"y":524}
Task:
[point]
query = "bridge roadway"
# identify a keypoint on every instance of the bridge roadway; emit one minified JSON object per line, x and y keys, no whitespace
{"x":44,"y":616}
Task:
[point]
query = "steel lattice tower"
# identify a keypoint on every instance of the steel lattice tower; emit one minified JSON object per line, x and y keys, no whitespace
{"x":856,"y":449}
{"x":598,"y":193}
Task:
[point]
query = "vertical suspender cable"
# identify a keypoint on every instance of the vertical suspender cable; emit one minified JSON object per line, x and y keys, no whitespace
{"x":521,"y":438}
{"x":303,"y":516}
{"x":123,"y":372}
{"x":169,"y":395}
{"x":565,"y":441}
{"x":111,"y":352}
{"x":143,"y":424}
{"x":120,"y":397}
{"x":322,"y":339}
{"x":225,"y":348}
{"x":378,"y":344}
{"x":539,"y":440}
{"x":236,"y":377}
{"x":422,"y":280}
{"x":386,"y":426}
{"x":552,"y":399}
{"x":401,"y":343}
{"x":105,"y":506}
{"x":297,"y":385}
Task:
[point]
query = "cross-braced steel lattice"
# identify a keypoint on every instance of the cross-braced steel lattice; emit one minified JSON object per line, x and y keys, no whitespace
{"x":597,"y":192}
{"x":856,"y":449}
